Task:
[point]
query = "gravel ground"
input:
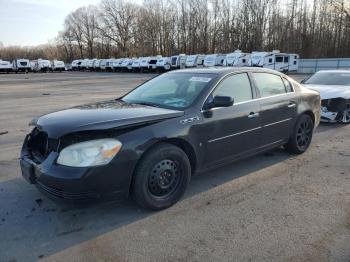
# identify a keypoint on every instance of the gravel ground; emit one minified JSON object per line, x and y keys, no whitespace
{"x":271,"y":207}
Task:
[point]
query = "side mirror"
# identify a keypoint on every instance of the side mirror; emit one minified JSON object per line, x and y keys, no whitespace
{"x":222,"y":101}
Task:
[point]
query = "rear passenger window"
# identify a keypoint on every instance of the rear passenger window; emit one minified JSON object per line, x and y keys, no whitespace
{"x":288,"y":85}
{"x":236,"y":86}
{"x":269,"y":84}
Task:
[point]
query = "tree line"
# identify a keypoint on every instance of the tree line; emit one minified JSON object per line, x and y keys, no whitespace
{"x":121,"y":28}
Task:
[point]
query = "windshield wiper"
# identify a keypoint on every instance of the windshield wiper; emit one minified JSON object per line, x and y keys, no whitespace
{"x":146,"y":104}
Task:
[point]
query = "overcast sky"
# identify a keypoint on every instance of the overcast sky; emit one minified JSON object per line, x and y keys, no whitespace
{"x":33,"y":22}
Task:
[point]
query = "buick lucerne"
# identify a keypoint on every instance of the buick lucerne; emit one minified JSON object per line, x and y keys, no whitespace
{"x":147,"y":143}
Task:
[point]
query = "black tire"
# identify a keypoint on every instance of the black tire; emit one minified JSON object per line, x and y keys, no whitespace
{"x":161,"y":177}
{"x":301,"y":137}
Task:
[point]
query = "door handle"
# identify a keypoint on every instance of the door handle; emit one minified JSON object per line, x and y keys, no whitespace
{"x":292,"y":104}
{"x":253,"y":115}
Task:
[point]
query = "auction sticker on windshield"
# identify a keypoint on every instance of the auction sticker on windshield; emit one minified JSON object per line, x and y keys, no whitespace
{"x":199,"y":79}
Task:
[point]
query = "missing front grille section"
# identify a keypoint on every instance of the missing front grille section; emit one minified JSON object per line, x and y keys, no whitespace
{"x":40,"y":146}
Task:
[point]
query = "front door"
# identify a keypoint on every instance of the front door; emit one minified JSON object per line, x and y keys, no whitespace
{"x":229,"y":132}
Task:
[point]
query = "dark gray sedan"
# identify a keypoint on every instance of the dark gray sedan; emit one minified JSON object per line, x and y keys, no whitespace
{"x":148,"y":143}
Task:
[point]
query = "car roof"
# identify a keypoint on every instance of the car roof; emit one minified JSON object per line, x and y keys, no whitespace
{"x":224,"y":70}
{"x":334,"y":71}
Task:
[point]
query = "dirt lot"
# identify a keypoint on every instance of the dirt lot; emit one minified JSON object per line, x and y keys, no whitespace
{"x":272,"y":207}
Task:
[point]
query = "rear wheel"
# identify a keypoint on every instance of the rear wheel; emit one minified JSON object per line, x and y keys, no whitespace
{"x":161,"y":177}
{"x":301,"y":138}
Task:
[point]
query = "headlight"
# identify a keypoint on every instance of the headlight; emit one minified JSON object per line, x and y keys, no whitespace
{"x":90,"y":153}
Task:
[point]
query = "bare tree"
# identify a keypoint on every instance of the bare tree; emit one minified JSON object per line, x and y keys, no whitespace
{"x":120,"y":28}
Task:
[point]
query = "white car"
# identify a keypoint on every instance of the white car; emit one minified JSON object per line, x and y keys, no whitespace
{"x":334,"y":88}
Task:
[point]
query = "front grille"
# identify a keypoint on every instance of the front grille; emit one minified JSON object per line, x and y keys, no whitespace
{"x":40,"y":145}
{"x":66,"y":195}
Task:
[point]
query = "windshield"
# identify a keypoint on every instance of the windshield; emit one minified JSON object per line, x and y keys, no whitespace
{"x":175,"y":90}
{"x":329,"y":78}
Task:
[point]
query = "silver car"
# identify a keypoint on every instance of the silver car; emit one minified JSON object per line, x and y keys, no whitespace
{"x":334,"y":88}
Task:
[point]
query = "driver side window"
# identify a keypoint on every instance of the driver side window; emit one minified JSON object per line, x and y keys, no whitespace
{"x":236,"y":86}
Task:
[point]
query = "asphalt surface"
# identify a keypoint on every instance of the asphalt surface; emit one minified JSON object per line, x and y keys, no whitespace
{"x":272,"y":207}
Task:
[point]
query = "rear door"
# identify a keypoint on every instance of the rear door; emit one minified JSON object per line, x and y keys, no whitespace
{"x":278,"y":104}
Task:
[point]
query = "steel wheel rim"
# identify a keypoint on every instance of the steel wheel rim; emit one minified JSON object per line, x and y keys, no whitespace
{"x":164,"y":178}
{"x":304,"y":133}
{"x":346,"y":117}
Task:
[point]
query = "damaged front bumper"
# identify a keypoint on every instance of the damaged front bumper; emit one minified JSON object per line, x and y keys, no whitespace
{"x":327,"y":116}
{"x":75,"y":184}
{"x":335,"y":110}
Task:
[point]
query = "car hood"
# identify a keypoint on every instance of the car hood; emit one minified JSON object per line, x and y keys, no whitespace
{"x":331,"y":91}
{"x":103,"y":115}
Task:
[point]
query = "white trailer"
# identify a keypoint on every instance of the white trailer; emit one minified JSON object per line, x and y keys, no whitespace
{"x":40,"y":65}
{"x":90,"y":64}
{"x":117,"y":63}
{"x":57,"y":65}
{"x":282,"y":62}
{"x":130,"y":63}
{"x":214,"y":60}
{"x":144,"y":63}
{"x":293,"y":62}
{"x":125,"y":64}
{"x":109,"y":65}
{"x":21,"y":65}
{"x":152,"y":64}
{"x":178,"y":61}
{"x":96,"y":65}
{"x":5,"y":66}
{"x":195,"y":60}
{"x":136,"y":64}
{"x":237,"y":58}
{"x":102,"y":66}
{"x":163,"y":64}
{"x":84,"y":64}
{"x":75,"y":64}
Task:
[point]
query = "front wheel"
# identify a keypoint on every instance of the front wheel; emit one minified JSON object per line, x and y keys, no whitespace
{"x":301,"y":137}
{"x":346,"y":117}
{"x":161,"y":177}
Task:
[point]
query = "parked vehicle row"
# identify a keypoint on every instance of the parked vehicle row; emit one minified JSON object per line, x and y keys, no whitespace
{"x":26,"y":65}
{"x":282,"y":62}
